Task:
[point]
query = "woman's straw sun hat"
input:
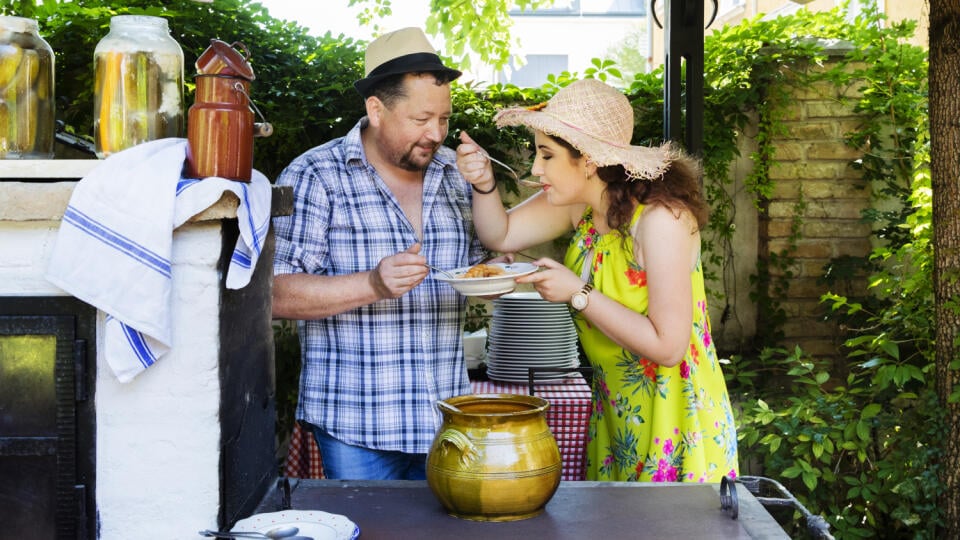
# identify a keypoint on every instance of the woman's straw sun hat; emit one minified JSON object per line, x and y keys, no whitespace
{"x":597,"y":120}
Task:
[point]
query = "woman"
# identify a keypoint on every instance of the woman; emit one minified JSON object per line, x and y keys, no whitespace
{"x":632,"y":275}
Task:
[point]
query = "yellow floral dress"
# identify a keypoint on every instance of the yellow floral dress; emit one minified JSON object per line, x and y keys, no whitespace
{"x":650,"y":423}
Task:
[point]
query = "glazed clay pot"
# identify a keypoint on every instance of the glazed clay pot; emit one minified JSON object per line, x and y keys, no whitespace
{"x":494,"y":457}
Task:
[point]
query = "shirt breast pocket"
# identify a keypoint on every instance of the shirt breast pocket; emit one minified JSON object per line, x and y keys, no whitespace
{"x":357,"y":239}
{"x":450,"y":224}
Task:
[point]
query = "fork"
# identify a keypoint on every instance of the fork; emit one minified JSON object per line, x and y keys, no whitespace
{"x":522,"y":182}
{"x":444,"y":272}
{"x":279,"y":532}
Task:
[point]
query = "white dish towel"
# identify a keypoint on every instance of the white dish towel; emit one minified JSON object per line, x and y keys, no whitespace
{"x":114,"y":245}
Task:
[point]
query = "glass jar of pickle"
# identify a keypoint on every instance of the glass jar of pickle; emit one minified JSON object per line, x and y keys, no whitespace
{"x":138,"y":93}
{"x":27,"y":114}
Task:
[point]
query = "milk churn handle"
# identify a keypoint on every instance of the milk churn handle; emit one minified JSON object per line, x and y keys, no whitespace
{"x":267,"y":128}
{"x":242,"y":47}
{"x":239,"y":88}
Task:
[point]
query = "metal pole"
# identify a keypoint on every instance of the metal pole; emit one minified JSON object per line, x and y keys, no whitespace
{"x":683,"y":40}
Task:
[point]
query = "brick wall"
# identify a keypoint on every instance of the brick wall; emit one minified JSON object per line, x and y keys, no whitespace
{"x":814,"y":182}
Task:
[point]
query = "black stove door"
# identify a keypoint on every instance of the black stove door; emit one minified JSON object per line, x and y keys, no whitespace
{"x":46,"y":449}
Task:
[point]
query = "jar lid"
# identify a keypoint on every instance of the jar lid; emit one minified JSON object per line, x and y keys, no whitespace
{"x":19,"y":24}
{"x":222,"y":58}
{"x":139,"y":20}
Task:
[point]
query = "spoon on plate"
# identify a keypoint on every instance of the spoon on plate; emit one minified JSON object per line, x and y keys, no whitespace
{"x":273,"y":534}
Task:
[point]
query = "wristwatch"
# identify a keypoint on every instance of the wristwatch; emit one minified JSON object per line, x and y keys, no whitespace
{"x":580,"y":299}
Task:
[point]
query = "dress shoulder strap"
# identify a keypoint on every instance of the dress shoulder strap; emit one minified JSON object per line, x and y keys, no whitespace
{"x":635,"y":220}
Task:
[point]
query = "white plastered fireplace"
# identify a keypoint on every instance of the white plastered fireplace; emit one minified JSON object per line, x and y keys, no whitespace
{"x":188,"y":444}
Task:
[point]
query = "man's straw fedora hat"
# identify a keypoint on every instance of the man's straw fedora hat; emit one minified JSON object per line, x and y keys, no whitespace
{"x":403,"y":51}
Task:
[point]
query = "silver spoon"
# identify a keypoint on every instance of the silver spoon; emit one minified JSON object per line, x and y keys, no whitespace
{"x":272,"y":534}
{"x":449,"y":407}
{"x":522,"y":182}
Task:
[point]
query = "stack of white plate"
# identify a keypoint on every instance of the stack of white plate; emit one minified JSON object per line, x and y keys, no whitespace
{"x":527,"y":331}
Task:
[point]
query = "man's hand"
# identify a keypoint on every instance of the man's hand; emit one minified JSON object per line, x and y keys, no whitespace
{"x":395,"y":275}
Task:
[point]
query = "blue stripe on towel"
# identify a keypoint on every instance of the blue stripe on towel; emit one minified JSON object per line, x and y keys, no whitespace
{"x":139,"y":346}
{"x":241,"y":259}
{"x":121,"y":243}
{"x":253,"y":226}
{"x":184,"y":183}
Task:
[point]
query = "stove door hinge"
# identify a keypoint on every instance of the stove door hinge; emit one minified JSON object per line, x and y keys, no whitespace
{"x":80,"y":369}
{"x":80,"y":496}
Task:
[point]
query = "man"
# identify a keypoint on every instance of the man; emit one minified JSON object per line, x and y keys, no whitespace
{"x":380,"y":342}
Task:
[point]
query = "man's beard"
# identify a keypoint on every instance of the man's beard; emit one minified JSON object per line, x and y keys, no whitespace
{"x":407,"y":162}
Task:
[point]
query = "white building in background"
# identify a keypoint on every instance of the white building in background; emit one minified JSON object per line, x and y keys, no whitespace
{"x":732,"y":12}
{"x":568,"y":36}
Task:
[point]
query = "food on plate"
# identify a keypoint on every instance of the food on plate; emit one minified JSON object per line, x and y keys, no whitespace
{"x":484,"y":270}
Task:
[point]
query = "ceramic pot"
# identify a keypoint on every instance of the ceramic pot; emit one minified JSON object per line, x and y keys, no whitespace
{"x":494,"y":457}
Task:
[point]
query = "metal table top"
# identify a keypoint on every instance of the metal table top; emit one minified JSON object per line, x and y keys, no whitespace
{"x":609,"y":510}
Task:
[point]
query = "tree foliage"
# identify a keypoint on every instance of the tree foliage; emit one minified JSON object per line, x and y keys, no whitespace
{"x":468,"y":28}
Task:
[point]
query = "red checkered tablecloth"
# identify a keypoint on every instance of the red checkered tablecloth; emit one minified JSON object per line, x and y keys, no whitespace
{"x":567,"y":418}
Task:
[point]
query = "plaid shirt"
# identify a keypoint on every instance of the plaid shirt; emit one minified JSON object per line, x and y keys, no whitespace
{"x":371,"y":375}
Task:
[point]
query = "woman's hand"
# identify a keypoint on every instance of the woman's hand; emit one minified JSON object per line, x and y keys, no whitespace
{"x":473,"y":163}
{"x":555,"y":282}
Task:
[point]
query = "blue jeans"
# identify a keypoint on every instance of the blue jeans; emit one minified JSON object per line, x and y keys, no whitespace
{"x":344,"y":461}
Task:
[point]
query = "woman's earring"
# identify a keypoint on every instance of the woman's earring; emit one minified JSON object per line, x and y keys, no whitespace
{"x":587,"y":175}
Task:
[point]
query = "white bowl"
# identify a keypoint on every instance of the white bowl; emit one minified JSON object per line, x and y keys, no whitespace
{"x":487,"y":286}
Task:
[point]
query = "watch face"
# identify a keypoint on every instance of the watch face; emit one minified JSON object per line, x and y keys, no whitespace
{"x":579,"y":301}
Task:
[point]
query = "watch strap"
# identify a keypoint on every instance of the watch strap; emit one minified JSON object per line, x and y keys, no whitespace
{"x":582,"y":293}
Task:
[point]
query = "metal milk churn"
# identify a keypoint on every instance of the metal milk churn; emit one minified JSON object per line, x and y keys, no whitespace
{"x":220,"y":124}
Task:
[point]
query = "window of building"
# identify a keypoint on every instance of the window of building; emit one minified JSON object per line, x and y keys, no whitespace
{"x":614,"y":7}
{"x":592,"y":7}
{"x":534,"y":73}
{"x":727,"y":5}
{"x":559,"y":7}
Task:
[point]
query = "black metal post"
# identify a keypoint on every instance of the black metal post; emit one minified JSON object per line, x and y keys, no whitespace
{"x":683,"y":40}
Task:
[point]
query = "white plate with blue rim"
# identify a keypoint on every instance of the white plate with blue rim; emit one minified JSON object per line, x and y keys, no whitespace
{"x":313,"y":523}
{"x":487,"y":286}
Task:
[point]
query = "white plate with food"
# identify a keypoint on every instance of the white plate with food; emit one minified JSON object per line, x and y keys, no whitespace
{"x":312,"y":523}
{"x":486,"y":279}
